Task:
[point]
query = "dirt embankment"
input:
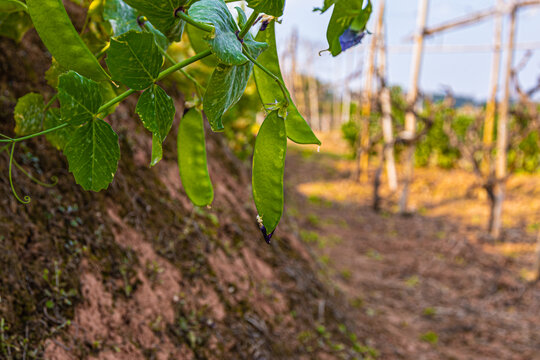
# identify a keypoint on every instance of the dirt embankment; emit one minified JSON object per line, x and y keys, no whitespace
{"x":135,"y":272}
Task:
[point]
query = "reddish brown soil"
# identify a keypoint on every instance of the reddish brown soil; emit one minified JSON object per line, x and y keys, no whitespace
{"x":136,"y":272}
{"x":435,"y":271}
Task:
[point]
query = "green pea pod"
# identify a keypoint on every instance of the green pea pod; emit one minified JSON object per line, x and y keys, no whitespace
{"x":298,"y":129}
{"x":61,"y":39}
{"x":192,"y":159}
{"x":267,"y":171}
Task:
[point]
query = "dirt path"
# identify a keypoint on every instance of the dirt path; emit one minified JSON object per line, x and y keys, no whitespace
{"x":429,"y":286}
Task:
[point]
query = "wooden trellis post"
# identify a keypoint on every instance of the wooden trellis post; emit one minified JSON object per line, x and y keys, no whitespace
{"x":492,"y":101}
{"x":367,"y":98}
{"x":412,"y":95}
{"x":502,"y":132}
{"x":386,"y":105}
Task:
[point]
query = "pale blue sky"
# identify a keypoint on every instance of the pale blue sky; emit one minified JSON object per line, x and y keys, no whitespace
{"x":465,"y":73}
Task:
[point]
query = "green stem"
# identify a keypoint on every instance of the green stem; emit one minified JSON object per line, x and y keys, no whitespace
{"x":183,"y":64}
{"x":191,"y":21}
{"x":248,"y":25}
{"x":116,"y":100}
{"x":50,"y":102}
{"x":16,"y":140}
{"x":102,"y":52}
{"x":269,"y":73}
{"x":173,"y":62}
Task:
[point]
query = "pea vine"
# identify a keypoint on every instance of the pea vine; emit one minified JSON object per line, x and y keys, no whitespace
{"x":142,"y":31}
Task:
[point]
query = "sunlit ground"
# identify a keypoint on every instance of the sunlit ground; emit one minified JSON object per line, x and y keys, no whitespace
{"x":451,"y":194}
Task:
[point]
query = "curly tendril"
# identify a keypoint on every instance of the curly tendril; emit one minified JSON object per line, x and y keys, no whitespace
{"x":54,"y":179}
{"x":26,"y":199}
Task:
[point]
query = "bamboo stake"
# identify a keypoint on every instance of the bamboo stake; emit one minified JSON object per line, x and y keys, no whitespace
{"x":502,"y":133}
{"x":410,"y":118}
{"x":367,"y":98}
{"x":386,"y":105}
{"x":492,"y":102}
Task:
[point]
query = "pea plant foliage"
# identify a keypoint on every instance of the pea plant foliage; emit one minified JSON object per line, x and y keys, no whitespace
{"x":236,"y":45}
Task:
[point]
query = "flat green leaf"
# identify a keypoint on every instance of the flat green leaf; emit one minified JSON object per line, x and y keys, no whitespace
{"x":347,"y":14}
{"x":80,"y":98}
{"x":161,"y":14}
{"x":227,"y":84}
{"x":157,"y":150}
{"x":121,"y":16}
{"x":58,"y":138}
{"x":134,"y":59}
{"x":270,"y":7}
{"x":156,"y":110}
{"x":326,"y":5}
{"x":12,"y":6}
{"x":14,"y":24}
{"x":196,"y":39}
{"x":160,"y":39}
{"x":268,"y":169}
{"x":93,"y":153}
{"x":62,"y":40}
{"x":29,"y":114}
{"x":298,"y":130}
{"x":223,"y":42}
{"x":192,"y":162}
{"x":54,"y":72}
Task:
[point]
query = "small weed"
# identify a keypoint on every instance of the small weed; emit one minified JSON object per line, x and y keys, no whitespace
{"x":315,"y":200}
{"x":346,"y":274}
{"x":430,"y":337}
{"x":324,"y":259}
{"x":429,"y":312}
{"x":305,"y":336}
{"x":357,"y":302}
{"x":313,"y":219}
{"x":374,"y":254}
{"x":412,"y":281}
{"x":309,"y":237}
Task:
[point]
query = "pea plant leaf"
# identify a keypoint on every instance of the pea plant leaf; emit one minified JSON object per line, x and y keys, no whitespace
{"x":223,"y":41}
{"x":156,"y":110}
{"x":270,"y":7}
{"x":326,"y":5}
{"x":121,"y":16}
{"x":80,"y":98}
{"x":228,"y":83}
{"x":196,"y":39}
{"x":14,"y":24}
{"x":192,"y":162}
{"x":298,"y":130}
{"x":347,"y":24}
{"x":124,"y":18}
{"x":93,"y":153}
{"x":160,"y":39}
{"x":28,"y":114}
{"x":12,"y":6}
{"x":134,"y":59}
{"x":161,"y":13}
{"x":58,"y":138}
{"x":267,"y":171}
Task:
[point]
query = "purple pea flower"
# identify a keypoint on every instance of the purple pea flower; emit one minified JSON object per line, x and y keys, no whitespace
{"x":350,"y":38}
